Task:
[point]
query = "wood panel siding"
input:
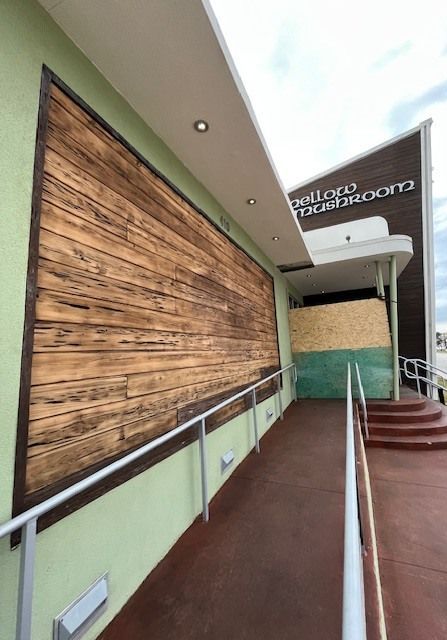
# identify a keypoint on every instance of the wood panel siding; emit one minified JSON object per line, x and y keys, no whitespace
{"x":389,"y":165}
{"x":144,"y":312}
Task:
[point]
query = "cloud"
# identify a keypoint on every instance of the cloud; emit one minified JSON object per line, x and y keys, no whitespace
{"x":281,"y":58}
{"x":403,"y":115}
{"x":391,"y":55}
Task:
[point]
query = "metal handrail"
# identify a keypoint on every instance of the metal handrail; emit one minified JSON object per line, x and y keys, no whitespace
{"x":27,"y":521}
{"x":428,"y":367}
{"x":362,"y":400}
{"x":354,"y":619}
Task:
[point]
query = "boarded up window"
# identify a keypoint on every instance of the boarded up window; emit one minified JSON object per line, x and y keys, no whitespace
{"x":144,"y":311}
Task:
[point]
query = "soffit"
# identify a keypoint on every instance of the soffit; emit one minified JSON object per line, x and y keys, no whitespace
{"x":170,"y":62}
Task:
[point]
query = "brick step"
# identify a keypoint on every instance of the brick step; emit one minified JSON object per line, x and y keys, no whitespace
{"x":427,"y":414}
{"x":404,"y":429}
{"x":405,"y":404}
{"x":438,"y":441}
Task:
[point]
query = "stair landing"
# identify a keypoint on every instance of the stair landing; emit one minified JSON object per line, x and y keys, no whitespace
{"x":409,"y":423}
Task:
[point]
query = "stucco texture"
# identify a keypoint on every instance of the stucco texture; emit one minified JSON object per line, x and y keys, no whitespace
{"x":127,"y":531}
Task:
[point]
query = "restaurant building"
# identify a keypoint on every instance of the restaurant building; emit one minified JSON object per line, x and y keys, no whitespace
{"x":153,"y":266}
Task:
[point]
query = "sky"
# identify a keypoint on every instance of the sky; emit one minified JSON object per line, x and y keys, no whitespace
{"x":329,"y":80}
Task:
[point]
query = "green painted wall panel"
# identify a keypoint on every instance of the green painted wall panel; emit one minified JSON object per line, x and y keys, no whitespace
{"x":322,"y":374}
{"x":128,"y":530}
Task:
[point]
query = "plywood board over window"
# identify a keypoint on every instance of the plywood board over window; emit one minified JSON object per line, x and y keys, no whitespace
{"x":140,"y":312}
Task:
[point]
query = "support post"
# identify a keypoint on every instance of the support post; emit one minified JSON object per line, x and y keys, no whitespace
{"x":203,"y":470}
{"x":278,"y":377}
{"x":255,"y":421}
{"x":394,"y":327}
{"x":380,"y":285}
{"x":26,"y":580}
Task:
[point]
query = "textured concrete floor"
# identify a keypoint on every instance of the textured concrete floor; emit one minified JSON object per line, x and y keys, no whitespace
{"x":410,"y":503}
{"x":268,"y":565}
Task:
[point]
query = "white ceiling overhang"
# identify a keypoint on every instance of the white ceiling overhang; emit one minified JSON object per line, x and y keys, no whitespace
{"x":352,"y":265}
{"x":170,"y":62}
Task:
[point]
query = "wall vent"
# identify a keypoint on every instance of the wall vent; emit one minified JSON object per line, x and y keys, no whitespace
{"x":226,"y":460}
{"x":79,"y":616}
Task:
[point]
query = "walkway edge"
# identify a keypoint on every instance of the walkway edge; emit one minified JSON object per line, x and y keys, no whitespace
{"x":369,"y":503}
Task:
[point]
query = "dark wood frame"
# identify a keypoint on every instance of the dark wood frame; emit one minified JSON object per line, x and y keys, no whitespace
{"x":20,"y":501}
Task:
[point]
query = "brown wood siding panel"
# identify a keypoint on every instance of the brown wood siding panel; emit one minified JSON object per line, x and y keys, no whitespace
{"x":395,"y":163}
{"x":142,"y":308}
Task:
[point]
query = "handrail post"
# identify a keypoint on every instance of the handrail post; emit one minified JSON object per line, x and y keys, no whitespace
{"x":295,"y":379}
{"x":26,"y":580}
{"x":255,"y":421}
{"x":418,"y":382}
{"x":279,"y":396}
{"x":203,"y":470}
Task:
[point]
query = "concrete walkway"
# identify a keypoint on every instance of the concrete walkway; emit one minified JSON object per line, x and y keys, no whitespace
{"x":268,"y":565}
{"x":410,"y":504}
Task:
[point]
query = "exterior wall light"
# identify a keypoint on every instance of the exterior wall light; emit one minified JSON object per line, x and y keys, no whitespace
{"x":201,"y":126}
{"x":251,"y":201}
{"x":275,"y":238}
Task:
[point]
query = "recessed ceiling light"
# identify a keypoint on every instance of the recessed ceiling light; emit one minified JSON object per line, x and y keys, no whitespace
{"x":308,"y":275}
{"x":314,"y":285}
{"x":201,"y":126}
{"x":366,"y":266}
{"x":275,"y":238}
{"x":322,"y":291}
{"x":251,"y":201}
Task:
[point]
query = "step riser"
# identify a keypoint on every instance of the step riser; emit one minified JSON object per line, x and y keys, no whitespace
{"x":411,"y":418}
{"x":417,"y":446}
{"x":404,"y":432}
{"x":397,"y":407}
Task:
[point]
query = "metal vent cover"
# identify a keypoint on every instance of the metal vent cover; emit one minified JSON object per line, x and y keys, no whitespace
{"x":73,"y":622}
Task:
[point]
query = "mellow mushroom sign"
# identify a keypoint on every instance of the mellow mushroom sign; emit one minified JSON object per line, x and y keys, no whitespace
{"x":321,"y":201}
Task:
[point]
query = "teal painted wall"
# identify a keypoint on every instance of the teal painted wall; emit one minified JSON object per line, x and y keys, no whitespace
{"x":127,"y":531}
{"x":322,"y":374}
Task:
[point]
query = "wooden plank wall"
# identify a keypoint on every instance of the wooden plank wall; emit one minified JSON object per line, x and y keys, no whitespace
{"x":145,"y":312}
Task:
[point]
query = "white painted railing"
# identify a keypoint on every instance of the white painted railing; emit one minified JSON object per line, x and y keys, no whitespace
{"x":362,"y":400}
{"x":27,"y":521}
{"x":422,"y":371}
{"x":354,"y":620}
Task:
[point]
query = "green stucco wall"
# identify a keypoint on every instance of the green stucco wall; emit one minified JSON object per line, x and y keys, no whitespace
{"x":322,"y":374}
{"x":127,"y":531}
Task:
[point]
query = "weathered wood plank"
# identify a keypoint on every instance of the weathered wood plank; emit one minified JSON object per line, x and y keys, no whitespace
{"x":62,"y":397}
{"x":57,"y":337}
{"x":63,"y":196}
{"x":141,"y":383}
{"x":57,"y":277}
{"x":66,"y":366}
{"x":47,"y":466}
{"x":129,"y":166}
{"x":53,"y":432}
{"x":85,"y":259}
{"x":76,"y":229}
{"x":84,"y":157}
{"x":62,"y":307}
{"x":63,"y":171}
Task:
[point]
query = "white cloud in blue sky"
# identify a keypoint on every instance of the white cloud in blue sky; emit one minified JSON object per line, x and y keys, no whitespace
{"x":330,"y":80}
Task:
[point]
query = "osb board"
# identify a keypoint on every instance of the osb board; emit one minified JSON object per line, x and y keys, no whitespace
{"x":142,"y":307}
{"x":345,"y":325}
